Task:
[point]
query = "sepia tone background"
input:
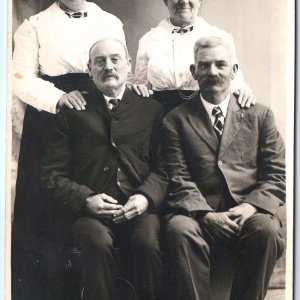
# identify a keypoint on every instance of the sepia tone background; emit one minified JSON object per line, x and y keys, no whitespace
{"x":260,"y":32}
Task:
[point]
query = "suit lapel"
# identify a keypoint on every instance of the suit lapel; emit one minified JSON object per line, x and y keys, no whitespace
{"x":125,"y":102}
{"x":201,"y":123}
{"x":99,"y":104}
{"x":232,"y":124}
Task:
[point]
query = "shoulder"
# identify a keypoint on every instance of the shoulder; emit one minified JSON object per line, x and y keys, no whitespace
{"x":261,"y":115}
{"x":147,"y":104}
{"x":45,"y":14}
{"x":30,"y":25}
{"x":156,"y":32}
{"x":259,"y":110}
{"x":96,"y":10}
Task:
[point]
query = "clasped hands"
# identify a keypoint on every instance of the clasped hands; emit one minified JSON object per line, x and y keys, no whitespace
{"x":106,"y":207}
{"x":228,"y":224}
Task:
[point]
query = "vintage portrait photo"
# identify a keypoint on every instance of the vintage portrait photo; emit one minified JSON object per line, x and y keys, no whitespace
{"x":150,"y":150}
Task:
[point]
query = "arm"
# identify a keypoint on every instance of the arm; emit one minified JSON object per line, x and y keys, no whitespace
{"x":184,"y":194}
{"x":56,"y":168}
{"x":26,"y":84}
{"x":270,"y":190}
{"x":155,"y":185}
{"x":141,"y":66}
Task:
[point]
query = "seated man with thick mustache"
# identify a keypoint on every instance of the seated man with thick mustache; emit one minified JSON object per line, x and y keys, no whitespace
{"x":227,"y":180}
{"x":103,"y":166}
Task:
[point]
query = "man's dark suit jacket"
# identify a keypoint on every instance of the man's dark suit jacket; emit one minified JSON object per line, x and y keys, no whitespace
{"x":87,"y":147}
{"x":248,"y":163}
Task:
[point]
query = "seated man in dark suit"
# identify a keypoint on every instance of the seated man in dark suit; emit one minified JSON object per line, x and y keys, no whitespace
{"x":103,"y":165}
{"x":227,"y":180}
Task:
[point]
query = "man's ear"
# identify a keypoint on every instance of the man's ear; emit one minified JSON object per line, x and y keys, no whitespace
{"x":89,"y":70}
{"x":129,"y":64}
{"x":192,"y":69}
{"x":234,"y":71}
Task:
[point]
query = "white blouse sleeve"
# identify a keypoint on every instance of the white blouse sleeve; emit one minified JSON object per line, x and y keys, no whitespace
{"x":141,"y":66}
{"x":27,"y":86}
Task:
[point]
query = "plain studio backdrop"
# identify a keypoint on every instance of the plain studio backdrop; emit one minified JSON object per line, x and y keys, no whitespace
{"x":261,"y":32}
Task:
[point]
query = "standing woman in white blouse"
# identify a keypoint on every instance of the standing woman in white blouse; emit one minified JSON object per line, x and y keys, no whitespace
{"x":49,"y":72}
{"x":165,"y":54}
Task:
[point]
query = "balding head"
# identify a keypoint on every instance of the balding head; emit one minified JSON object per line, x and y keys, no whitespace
{"x":109,"y":64}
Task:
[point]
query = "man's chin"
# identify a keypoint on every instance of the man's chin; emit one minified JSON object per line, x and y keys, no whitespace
{"x":211,"y":89}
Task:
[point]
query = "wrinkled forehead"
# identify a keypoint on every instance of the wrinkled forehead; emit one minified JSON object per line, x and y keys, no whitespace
{"x":108,"y":47}
{"x":213,"y":53}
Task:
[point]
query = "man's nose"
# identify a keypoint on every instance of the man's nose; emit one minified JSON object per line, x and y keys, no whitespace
{"x":213,"y":70}
{"x":108,"y":64}
{"x":183,"y":2}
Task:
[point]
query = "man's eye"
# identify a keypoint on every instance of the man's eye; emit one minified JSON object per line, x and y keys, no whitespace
{"x":203,"y":66}
{"x":99,"y":61}
{"x":221,"y":65}
{"x":114,"y":60}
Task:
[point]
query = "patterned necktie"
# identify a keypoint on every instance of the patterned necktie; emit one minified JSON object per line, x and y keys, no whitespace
{"x":183,"y":30}
{"x":113,"y":103}
{"x":219,"y":121}
{"x":76,"y":15}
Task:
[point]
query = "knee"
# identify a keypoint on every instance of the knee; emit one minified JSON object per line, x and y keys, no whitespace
{"x":92,"y":237}
{"x":100,"y":244}
{"x":182,"y":230}
{"x":263,"y":231}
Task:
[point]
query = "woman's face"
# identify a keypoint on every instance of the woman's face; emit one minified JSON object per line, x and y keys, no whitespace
{"x":183,"y":12}
{"x":72,"y":5}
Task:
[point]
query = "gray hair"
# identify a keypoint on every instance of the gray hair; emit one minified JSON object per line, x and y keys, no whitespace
{"x":217,"y":38}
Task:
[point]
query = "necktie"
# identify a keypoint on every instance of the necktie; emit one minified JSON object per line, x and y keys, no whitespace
{"x":183,"y":30}
{"x":219,"y":121}
{"x":113,"y":103}
{"x":76,"y":15}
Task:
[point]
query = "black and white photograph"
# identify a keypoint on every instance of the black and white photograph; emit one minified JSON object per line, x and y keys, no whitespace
{"x":150,"y":150}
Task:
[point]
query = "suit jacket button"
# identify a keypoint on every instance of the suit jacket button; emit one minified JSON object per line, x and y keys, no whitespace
{"x":118,"y":183}
{"x":220,"y":163}
{"x":114,"y":145}
{"x":105,"y":169}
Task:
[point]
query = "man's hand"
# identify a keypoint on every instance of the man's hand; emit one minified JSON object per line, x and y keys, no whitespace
{"x":102,"y":206}
{"x":71,"y":100}
{"x":244,"y":212}
{"x":246,"y":97}
{"x":135,"y":206}
{"x":142,"y":90}
{"x":221,"y":224}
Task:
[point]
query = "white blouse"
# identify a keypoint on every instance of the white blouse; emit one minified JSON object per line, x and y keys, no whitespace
{"x":164,"y":58}
{"x":51,"y":43}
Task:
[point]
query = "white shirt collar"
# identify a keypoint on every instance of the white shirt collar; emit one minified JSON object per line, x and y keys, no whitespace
{"x":199,"y":24}
{"x":120,"y":96}
{"x":209,"y":106}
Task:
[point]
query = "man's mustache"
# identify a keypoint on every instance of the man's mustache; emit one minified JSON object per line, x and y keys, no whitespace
{"x":212,"y":80}
{"x":183,"y":6}
{"x":109,"y":74}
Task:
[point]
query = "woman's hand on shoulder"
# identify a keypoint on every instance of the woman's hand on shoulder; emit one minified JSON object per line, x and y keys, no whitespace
{"x":142,"y":90}
{"x":246,"y":96}
{"x":72,"y":100}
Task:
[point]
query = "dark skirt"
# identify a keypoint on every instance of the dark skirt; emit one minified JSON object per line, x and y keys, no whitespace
{"x":30,"y":226}
{"x":172,"y":98}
